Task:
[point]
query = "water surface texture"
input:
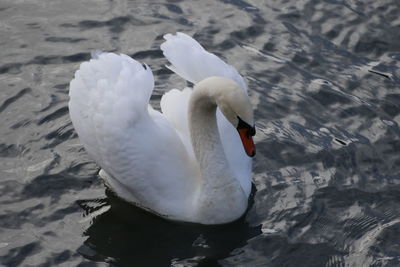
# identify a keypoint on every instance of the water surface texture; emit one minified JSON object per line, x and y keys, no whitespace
{"x":324,"y":80}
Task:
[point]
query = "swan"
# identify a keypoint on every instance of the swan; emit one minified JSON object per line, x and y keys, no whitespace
{"x":190,"y":163}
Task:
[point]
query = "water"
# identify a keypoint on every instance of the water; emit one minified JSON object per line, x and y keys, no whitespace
{"x":324,"y":80}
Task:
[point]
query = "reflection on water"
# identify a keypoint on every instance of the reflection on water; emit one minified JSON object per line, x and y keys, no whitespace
{"x":128,"y":234}
{"x":324,"y":80}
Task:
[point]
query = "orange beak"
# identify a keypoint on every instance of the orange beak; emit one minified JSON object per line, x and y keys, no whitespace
{"x":247,"y":141}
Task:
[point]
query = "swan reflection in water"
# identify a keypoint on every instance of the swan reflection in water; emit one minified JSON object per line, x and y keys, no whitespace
{"x":125,"y":234}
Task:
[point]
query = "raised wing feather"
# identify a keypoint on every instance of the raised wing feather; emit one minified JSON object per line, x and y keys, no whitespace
{"x":192,"y":62}
{"x":174,"y":105}
{"x":135,"y":145}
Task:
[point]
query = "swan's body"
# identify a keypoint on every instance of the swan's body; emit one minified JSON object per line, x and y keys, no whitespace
{"x":186,"y":163}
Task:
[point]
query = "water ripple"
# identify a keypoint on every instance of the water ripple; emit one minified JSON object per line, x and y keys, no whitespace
{"x":324,"y":79}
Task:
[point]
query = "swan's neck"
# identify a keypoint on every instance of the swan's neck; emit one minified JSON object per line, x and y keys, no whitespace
{"x":205,"y":138}
{"x":220,"y":197}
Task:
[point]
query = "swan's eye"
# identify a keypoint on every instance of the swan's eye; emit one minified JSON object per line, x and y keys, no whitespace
{"x":252,"y":131}
{"x":246,"y":133}
{"x":244,"y":125}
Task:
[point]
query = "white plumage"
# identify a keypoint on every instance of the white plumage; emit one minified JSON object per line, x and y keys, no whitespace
{"x":147,"y":157}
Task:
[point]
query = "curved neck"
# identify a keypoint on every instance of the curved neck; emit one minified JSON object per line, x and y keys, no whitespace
{"x":221,"y":197}
{"x":207,"y":146}
{"x":205,"y":136}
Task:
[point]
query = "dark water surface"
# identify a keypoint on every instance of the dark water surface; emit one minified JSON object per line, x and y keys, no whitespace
{"x":324,"y":79}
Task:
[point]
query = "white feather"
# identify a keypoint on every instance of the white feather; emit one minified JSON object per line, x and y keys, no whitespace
{"x":109,"y":109}
{"x":193,"y":63}
{"x":147,"y":156}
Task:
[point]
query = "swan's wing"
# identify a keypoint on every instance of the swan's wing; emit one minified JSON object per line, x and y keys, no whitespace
{"x":102,"y":99}
{"x":133,"y":143}
{"x":192,"y":62}
{"x":174,"y":106}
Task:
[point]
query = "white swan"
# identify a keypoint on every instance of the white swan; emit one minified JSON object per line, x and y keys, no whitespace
{"x":186,"y":163}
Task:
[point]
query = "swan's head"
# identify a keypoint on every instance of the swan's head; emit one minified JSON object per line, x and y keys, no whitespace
{"x":234,"y":103}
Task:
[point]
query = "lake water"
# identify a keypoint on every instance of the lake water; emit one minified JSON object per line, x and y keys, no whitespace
{"x":324,"y":79}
